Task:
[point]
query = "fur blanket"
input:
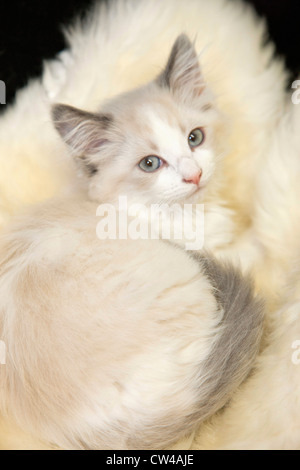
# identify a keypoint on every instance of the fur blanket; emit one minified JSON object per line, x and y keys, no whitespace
{"x":124,"y":45}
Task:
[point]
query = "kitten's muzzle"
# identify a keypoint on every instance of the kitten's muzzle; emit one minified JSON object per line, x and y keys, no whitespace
{"x":194,"y":179}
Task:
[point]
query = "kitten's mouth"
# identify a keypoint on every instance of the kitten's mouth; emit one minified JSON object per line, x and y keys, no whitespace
{"x":191,"y":197}
{"x":198,"y":189}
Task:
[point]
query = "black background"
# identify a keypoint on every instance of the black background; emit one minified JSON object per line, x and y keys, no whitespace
{"x":30,"y":31}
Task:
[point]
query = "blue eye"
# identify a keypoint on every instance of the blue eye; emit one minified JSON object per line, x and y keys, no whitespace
{"x":150,"y":164}
{"x":196,"y":138}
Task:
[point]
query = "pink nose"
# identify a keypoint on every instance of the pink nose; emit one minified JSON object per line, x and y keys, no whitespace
{"x":195,"y":179}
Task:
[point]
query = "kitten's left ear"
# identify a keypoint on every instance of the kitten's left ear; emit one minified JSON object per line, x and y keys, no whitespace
{"x":182,"y":74}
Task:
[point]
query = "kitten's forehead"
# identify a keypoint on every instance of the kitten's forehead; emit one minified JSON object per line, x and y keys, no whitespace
{"x":151,"y":112}
{"x":133,"y":107}
{"x":166,"y":131}
{"x":159,"y":123}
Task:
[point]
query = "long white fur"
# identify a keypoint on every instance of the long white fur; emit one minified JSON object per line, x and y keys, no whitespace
{"x":238,"y":71}
{"x":265,"y":414}
{"x":105,"y":347}
{"x":117,"y":50}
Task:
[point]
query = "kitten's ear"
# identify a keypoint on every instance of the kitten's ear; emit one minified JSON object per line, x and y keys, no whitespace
{"x":182,"y":74}
{"x":85,"y":133}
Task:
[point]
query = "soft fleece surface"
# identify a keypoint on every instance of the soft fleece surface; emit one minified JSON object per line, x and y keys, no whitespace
{"x":119,"y":50}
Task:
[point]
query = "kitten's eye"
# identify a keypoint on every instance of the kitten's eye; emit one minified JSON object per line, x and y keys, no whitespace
{"x":150,"y":163}
{"x":196,"y":138}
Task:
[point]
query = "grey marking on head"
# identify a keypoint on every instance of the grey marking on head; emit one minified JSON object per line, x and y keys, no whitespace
{"x":207,"y":107}
{"x":181,"y":47}
{"x":105,"y":119}
{"x":90,"y":168}
{"x":85,"y":133}
{"x":63,"y":112}
{"x":164,"y":78}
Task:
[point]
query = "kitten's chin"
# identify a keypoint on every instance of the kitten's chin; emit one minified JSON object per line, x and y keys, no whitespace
{"x":193,"y":197}
{"x":196,"y":196}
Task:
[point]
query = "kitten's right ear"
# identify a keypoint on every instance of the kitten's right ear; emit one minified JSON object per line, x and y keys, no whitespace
{"x":182,"y":75}
{"x":85,"y":133}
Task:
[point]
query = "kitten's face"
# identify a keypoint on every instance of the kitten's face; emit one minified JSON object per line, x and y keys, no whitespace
{"x":154,"y":144}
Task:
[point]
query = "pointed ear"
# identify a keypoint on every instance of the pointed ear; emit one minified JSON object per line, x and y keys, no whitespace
{"x":182,"y":74}
{"x":85,"y":133}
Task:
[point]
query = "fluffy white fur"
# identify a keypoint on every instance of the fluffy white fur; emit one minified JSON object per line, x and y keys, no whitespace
{"x":125,"y":46}
{"x":153,"y":120}
{"x":100,"y":374}
{"x":115,"y":51}
{"x":110,"y":343}
{"x":265,"y":414}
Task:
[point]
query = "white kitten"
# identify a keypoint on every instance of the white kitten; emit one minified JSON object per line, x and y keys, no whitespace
{"x":155,"y":144}
{"x":116,"y":344}
{"x":115,"y":50}
{"x":120,"y":343}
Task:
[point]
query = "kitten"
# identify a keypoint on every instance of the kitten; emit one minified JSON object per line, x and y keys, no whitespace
{"x":157,"y":144}
{"x":116,"y":344}
{"x":122,"y":343}
{"x":154,"y":144}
